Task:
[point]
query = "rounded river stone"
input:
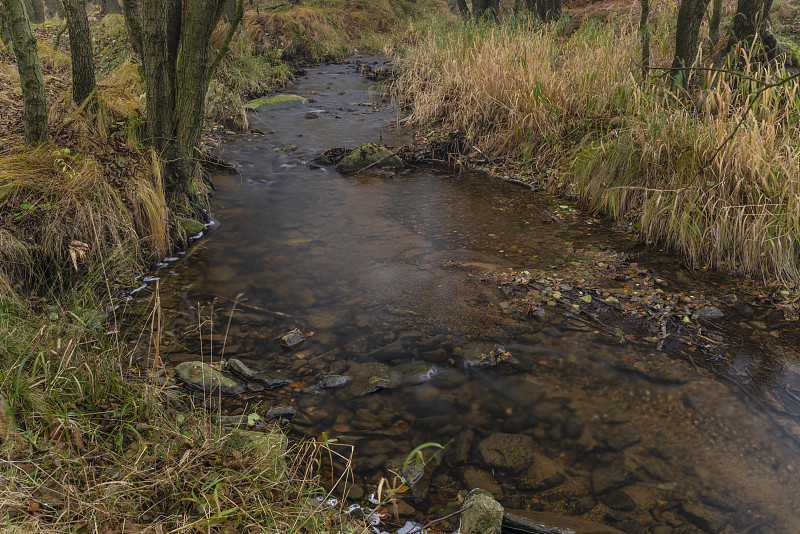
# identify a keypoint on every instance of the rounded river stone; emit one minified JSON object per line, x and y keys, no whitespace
{"x":197,"y":375}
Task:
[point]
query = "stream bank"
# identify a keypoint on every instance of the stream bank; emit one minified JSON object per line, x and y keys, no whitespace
{"x":397,"y":275}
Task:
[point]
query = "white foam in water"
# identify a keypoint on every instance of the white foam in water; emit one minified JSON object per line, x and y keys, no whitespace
{"x":352,"y":508}
{"x":149,"y":279}
{"x":373,"y":499}
{"x":171,"y":258}
{"x":136,"y":290}
{"x":332,"y":502}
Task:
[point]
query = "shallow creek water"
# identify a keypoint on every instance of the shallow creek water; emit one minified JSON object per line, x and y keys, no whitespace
{"x":384,"y":270}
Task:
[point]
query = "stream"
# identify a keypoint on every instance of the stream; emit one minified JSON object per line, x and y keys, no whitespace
{"x":388,"y":270}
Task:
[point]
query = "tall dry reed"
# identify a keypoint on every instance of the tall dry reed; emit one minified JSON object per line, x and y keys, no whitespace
{"x":575,"y":104}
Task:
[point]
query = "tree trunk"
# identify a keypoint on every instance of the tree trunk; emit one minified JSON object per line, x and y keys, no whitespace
{"x":35,"y":10}
{"x":113,"y":7}
{"x":5,"y":32}
{"x":177,"y":67}
{"x":485,"y":9}
{"x":80,"y":46}
{"x":133,"y":24}
{"x":690,"y":16}
{"x":751,"y":23}
{"x":546,"y":10}
{"x":30,"y":72}
{"x":644,"y":33}
{"x":54,"y":7}
{"x":462,"y":8}
{"x":713,"y":23}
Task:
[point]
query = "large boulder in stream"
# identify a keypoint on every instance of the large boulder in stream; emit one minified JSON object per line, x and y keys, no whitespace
{"x":271,"y":103}
{"x":366,"y":155}
{"x":198,"y":375}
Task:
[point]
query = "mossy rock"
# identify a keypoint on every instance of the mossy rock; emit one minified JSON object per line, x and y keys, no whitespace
{"x":197,"y":375}
{"x":366,"y":155}
{"x":270,"y":447}
{"x":269,"y":103}
{"x":184,"y":228}
{"x":482,"y":514}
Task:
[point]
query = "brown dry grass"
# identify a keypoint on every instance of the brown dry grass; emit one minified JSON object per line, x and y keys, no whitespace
{"x":575,"y":104}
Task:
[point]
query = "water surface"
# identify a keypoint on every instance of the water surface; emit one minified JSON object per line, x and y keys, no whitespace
{"x":385,"y":270}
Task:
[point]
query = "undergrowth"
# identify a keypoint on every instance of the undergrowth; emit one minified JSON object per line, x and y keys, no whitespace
{"x":88,"y":447}
{"x":575,"y":105}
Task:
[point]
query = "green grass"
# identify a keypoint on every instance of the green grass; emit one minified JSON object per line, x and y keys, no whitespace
{"x":89,"y":444}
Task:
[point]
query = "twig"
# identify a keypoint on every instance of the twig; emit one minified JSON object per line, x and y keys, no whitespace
{"x":744,"y":116}
{"x":434,"y":521}
{"x":485,"y":156}
{"x":727,"y":71}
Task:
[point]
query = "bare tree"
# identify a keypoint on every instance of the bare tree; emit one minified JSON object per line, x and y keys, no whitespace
{"x":80,"y":47}
{"x":30,"y":72}
{"x":546,"y":10}
{"x":173,"y":39}
{"x":485,"y":9}
{"x":690,"y":16}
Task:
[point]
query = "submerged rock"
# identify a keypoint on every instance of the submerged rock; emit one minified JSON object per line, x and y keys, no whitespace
{"x":508,"y":452}
{"x":272,"y":380}
{"x":274,"y":102}
{"x":197,"y":375}
{"x":291,"y":339}
{"x":366,"y":155}
{"x":334,"y":381}
{"x":414,"y":372}
{"x":610,"y":476}
{"x":484,"y":515}
{"x":368,"y":377}
{"x":238,"y":368}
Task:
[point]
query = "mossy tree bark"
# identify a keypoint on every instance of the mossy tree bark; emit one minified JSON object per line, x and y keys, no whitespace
{"x":644,"y":35}
{"x":54,"y":7}
{"x":35,"y":10}
{"x":485,"y":9}
{"x":690,"y":16}
{"x":749,"y":25}
{"x":546,"y":10}
{"x":80,"y":46}
{"x":110,"y":7}
{"x":714,"y":21}
{"x":30,"y":72}
{"x":174,"y":44}
{"x":5,"y":33}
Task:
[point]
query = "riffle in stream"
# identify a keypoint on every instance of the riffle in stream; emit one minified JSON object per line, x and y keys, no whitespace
{"x":385,"y":270}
